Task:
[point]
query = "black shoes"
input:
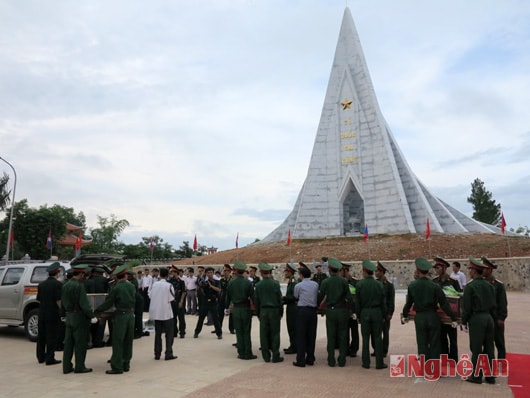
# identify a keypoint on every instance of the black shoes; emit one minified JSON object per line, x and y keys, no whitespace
{"x":289,"y":351}
{"x":220,"y":337}
{"x":474,"y":380}
{"x":113,"y":372}
{"x":252,"y":356}
{"x":299,"y":365}
{"x":85,"y":370}
{"x":67,"y":371}
{"x":195,"y":335}
{"x":53,"y":362}
{"x":277,"y":360}
{"x":157,"y":357}
{"x":383,"y":366}
{"x":170,"y":357}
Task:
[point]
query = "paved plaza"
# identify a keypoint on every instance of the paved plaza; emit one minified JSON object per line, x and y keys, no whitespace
{"x":207,"y":367}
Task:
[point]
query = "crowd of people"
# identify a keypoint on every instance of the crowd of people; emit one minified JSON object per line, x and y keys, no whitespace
{"x":237,"y":293}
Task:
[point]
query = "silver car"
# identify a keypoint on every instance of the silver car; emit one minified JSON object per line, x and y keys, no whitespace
{"x":18,"y":295}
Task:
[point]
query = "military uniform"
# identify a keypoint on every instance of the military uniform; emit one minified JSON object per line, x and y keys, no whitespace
{"x":123,"y":298}
{"x":99,"y":285}
{"x":222,"y":301}
{"x":180,"y":305}
{"x":478,"y":313}
{"x":48,"y":295}
{"x":290,"y":311}
{"x":209,"y":303}
{"x":75,"y":306}
{"x":448,"y":334}
{"x":318,"y":277}
{"x":269,"y":309}
{"x":501,"y":312}
{"x":239,"y":294}
{"x":371,"y":311}
{"x":390,"y":298}
{"x":426,"y":297}
{"x":353,"y":325}
{"x":338,"y":300}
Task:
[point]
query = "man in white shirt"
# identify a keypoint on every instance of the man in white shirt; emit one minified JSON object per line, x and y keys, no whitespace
{"x":161,"y":295}
{"x":191,"y":292}
{"x":458,"y":275}
{"x":146,"y":282}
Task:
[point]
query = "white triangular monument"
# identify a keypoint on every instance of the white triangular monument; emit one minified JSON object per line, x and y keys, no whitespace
{"x":358,"y":175}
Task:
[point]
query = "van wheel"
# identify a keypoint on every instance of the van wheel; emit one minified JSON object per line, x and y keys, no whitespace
{"x":31,"y":324}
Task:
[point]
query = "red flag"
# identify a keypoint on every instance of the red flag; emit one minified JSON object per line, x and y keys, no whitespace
{"x":78,"y":242}
{"x":11,"y":239}
{"x":289,"y":237}
{"x":365,"y":236}
{"x":152,"y":244}
{"x":503,"y":223}
{"x":195,"y":243}
{"x":237,"y":240}
{"x":428,"y":229}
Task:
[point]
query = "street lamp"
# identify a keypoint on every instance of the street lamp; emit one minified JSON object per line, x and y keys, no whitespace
{"x":12,"y":208}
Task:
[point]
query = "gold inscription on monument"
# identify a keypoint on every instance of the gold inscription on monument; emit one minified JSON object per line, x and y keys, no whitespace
{"x":350,"y":159}
{"x":348,"y":147}
{"x":348,"y":134}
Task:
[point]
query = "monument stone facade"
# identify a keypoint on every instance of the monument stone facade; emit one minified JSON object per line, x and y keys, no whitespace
{"x":357,"y":176}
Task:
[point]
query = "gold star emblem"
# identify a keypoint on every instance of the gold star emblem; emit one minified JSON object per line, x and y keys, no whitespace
{"x":346,"y":104}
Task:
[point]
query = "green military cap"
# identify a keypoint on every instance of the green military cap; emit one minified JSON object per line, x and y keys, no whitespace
{"x":440,"y":261}
{"x":78,"y":268}
{"x":369,"y":266}
{"x":265,"y":267}
{"x":302,"y":265}
{"x":423,"y":264}
{"x":98,"y":269}
{"x":290,"y":267}
{"x":122,"y":269}
{"x":69,"y":271}
{"x":334,"y":263}
{"x":486,"y":261}
{"x":476,"y":264}
{"x":53,"y":267}
{"x":381,"y":267}
{"x":240,"y":265}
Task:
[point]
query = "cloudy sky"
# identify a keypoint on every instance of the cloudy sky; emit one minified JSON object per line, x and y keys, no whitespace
{"x":198,"y":117}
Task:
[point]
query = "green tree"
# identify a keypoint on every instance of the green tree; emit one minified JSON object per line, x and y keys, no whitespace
{"x":485,"y":209}
{"x":4,"y":192}
{"x":31,"y":227}
{"x":105,"y":238}
{"x":184,"y":251}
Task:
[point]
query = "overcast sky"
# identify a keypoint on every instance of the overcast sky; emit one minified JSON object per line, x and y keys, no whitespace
{"x":199,"y":117}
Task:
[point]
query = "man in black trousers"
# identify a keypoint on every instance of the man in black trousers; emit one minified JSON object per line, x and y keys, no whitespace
{"x":306,"y":294}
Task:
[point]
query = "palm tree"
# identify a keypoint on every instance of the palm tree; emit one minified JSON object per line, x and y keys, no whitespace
{"x":4,"y":193}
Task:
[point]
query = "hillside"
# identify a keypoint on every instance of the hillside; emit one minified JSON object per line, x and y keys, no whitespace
{"x":381,"y":247}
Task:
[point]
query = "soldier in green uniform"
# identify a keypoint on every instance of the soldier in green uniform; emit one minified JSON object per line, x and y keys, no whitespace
{"x":353,"y":325}
{"x":138,"y":305}
{"x":319,"y":276}
{"x":238,"y":296}
{"x":221,"y":308}
{"x":99,"y":285}
{"x":123,"y":298}
{"x":501,"y":301}
{"x":290,"y":307}
{"x":269,"y":309}
{"x":426,"y":296}
{"x":390,"y":297}
{"x":76,"y":308}
{"x":478,"y":313}
{"x":49,"y":297}
{"x":371,"y":312}
{"x":448,"y":334}
{"x":338,"y":301}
